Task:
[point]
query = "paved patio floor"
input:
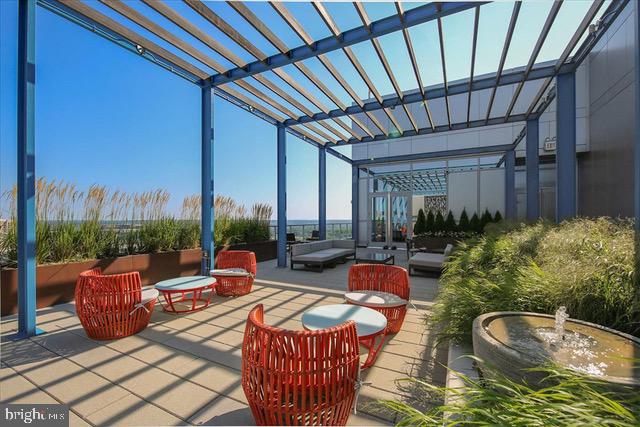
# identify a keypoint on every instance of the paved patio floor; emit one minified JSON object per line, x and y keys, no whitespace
{"x":185,"y":369}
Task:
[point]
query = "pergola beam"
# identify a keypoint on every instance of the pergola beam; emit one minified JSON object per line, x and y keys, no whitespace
{"x":390,"y":24}
{"x":414,"y":64}
{"x":503,"y":56}
{"x":443,"y":62}
{"x":385,"y":63}
{"x":553,"y":13}
{"x":474,"y":47}
{"x":438,"y":91}
{"x":584,"y":24}
{"x":461,"y":152}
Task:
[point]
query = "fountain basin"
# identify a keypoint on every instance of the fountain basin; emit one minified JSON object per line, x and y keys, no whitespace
{"x":513,"y":342}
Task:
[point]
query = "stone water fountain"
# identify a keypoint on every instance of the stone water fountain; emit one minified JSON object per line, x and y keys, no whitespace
{"x":515,"y":341}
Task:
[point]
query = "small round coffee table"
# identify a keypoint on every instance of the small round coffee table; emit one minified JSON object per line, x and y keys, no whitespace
{"x":178,"y":290}
{"x":370,"y":325}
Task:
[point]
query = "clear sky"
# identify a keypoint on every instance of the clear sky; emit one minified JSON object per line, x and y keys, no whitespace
{"x":106,"y":116}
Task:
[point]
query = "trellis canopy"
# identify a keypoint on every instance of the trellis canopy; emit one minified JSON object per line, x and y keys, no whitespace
{"x":343,"y":73}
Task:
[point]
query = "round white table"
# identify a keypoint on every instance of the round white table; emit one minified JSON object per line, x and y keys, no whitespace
{"x":370,"y":324}
{"x":182,"y":287}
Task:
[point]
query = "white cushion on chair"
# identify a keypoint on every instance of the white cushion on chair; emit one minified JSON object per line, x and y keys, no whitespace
{"x":374,"y":299}
{"x":149,"y":295}
{"x":231,"y":272}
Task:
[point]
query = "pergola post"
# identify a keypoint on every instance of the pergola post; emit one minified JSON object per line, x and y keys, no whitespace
{"x":322,"y":192}
{"x":510,"y":184}
{"x":282,"y":196}
{"x":354,"y":202}
{"x":26,"y":179}
{"x":566,"y":146}
{"x":532,"y":171}
{"x":207,"y":199}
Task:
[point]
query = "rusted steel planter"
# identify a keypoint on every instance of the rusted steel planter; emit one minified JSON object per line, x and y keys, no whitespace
{"x":56,"y":282}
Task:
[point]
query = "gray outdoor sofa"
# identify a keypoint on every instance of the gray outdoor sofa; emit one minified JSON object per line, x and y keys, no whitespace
{"x":322,"y":253}
{"x":429,"y":261}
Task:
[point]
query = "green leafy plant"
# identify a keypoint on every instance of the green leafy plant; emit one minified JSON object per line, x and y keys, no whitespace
{"x":431,"y":223}
{"x":463,"y":223}
{"x":421,"y":223}
{"x":497,"y":217}
{"x":586,"y":265}
{"x":450,"y":223}
{"x":565,"y":399}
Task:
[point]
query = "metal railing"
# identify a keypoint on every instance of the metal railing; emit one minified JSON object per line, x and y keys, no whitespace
{"x":335,"y":230}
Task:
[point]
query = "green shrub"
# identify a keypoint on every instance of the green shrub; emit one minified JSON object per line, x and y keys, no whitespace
{"x":431,"y":223}
{"x":463,"y":224}
{"x":497,"y":217}
{"x":586,"y":265}
{"x":421,"y":223}
{"x":450,"y":223}
{"x":486,"y":218}
{"x":474,"y":224}
{"x":438,"y":224}
{"x":567,"y":399}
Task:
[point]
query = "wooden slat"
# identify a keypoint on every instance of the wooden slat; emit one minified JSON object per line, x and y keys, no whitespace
{"x":126,"y":33}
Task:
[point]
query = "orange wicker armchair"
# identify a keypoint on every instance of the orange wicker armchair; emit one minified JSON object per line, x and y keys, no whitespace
{"x":299,"y":377}
{"x":389,"y":279}
{"x":229,"y":285}
{"x":113,"y":306}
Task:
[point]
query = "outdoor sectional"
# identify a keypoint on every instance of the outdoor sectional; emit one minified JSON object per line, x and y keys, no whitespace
{"x":322,"y":253}
{"x":429,"y":261}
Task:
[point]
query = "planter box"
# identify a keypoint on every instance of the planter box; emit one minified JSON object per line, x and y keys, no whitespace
{"x":56,"y":282}
{"x":264,"y":251}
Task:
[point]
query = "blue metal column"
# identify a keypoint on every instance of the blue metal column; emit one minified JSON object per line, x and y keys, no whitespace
{"x":26,"y":178}
{"x":282,"y":196}
{"x":322,"y":192}
{"x":533,"y":174}
{"x":566,"y":146}
{"x":354,"y":202}
{"x":207,"y":199}
{"x":510,"y":184}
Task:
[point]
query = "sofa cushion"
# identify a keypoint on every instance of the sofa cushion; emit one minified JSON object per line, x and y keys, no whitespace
{"x":321,"y":256}
{"x":344,"y":244}
{"x":426,"y":259}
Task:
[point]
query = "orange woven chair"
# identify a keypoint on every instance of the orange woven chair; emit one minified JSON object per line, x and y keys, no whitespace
{"x":299,"y":377}
{"x":389,"y":284}
{"x":235,"y":285}
{"x":113,"y":306}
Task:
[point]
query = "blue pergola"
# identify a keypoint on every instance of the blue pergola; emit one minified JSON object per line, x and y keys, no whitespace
{"x":323,"y":127}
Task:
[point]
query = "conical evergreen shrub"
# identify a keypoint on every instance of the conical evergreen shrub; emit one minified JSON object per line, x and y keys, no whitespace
{"x":450,"y":223}
{"x":431,"y":222}
{"x":474,"y":224}
{"x":497,"y":217}
{"x":486,"y":218}
{"x":463,"y":224}
{"x":421,"y":223}
{"x":439,"y":222}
